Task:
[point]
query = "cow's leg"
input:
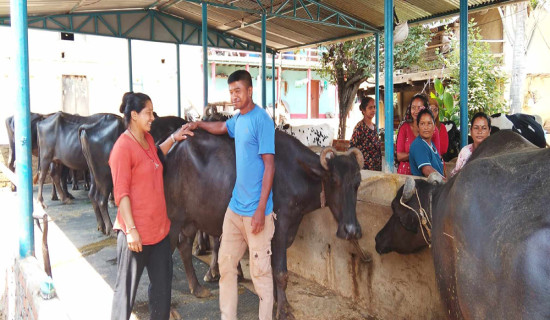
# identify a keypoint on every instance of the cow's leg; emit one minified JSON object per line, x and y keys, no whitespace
{"x":87,"y":179}
{"x":185,"y":246}
{"x":202,"y":241}
{"x":213,"y":273}
{"x":54,"y":190}
{"x":112,"y":200}
{"x":44,"y":167}
{"x":11,"y":164}
{"x":74,"y":177}
{"x":283,"y":231}
{"x":57,"y":181}
{"x":103,"y":206}
{"x":93,"y":195}
{"x":64,"y":171}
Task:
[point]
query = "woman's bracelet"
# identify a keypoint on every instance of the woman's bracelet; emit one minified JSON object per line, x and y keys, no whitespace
{"x":130,"y":229}
{"x":173,"y":139}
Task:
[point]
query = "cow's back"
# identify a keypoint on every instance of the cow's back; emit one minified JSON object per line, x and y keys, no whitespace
{"x":493,"y":214}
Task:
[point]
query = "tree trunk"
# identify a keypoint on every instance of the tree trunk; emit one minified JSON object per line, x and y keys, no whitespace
{"x":346,"y":97}
{"x":518,"y":59}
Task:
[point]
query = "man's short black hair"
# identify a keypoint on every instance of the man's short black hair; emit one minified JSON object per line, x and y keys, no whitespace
{"x":240,"y":75}
{"x":423,"y":112}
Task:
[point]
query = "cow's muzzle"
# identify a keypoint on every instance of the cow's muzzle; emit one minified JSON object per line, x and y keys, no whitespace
{"x":349,"y":231}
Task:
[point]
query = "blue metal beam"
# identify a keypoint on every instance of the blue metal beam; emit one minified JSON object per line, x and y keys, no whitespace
{"x":161,"y":27}
{"x":178,"y":78}
{"x":264,"y":97}
{"x":273,"y":72}
{"x":377,"y":79}
{"x":290,"y":10}
{"x":23,"y":127}
{"x":205,"y":52}
{"x":463,"y":73}
{"x":130,"y":72}
{"x":388,"y":85}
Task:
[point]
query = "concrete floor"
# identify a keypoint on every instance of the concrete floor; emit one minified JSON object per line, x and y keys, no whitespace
{"x":84,"y":270}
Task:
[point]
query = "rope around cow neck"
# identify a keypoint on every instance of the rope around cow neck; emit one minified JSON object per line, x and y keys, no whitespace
{"x":423,"y":218}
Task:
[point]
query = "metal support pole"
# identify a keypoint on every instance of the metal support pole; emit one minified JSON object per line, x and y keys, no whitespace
{"x":377,"y":79}
{"x":463,"y":73}
{"x":388,"y":84}
{"x":22,"y":127}
{"x":179,"y":77}
{"x":264,"y":97}
{"x":130,"y":74}
{"x":205,"y":51}
{"x":273,"y":82}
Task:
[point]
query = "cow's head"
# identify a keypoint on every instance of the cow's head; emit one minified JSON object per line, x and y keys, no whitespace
{"x":341,"y":179}
{"x":402,"y":232}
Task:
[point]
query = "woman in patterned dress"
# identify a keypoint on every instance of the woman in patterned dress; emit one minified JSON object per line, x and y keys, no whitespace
{"x":365,"y":138}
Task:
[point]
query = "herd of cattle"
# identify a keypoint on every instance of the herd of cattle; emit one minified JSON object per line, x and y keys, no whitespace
{"x":489,"y":226}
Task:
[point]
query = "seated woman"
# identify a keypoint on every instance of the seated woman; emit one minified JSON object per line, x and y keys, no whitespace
{"x":480,"y":128}
{"x":423,"y":157}
{"x":439,"y":129}
{"x":409,"y":131}
{"x":365,"y":137}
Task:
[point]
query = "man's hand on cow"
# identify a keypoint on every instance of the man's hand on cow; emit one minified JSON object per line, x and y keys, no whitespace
{"x":258,"y":222}
{"x":191,"y":125}
{"x":182,"y":133}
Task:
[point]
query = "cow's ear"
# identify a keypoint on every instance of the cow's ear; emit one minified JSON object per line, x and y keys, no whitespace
{"x":312,"y":170}
{"x":408,"y":220}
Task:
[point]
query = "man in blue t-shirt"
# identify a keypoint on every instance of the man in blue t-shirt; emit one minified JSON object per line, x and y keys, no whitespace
{"x":249,"y":219}
{"x":423,"y":155}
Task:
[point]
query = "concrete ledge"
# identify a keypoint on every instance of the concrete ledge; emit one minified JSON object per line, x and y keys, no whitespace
{"x":21,"y":298}
{"x":392,"y":286}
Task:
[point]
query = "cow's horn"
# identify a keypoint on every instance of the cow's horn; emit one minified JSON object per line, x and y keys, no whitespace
{"x":358,"y":156}
{"x":408,"y":189}
{"x":435,"y":178}
{"x":324,"y":154}
{"x":209,"y":110}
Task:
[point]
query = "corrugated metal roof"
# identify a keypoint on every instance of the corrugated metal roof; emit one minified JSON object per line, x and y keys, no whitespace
{"x":289,"y":22}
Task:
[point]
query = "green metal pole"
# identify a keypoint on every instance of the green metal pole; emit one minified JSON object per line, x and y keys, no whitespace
{"x":130,"y":75}
{"x":23,"y":127}
{"x":178,"y":77}
{"x":463,"y":73}
{"x":388,"y":84}
{"x":377,"y":79}
{"x":273,"y":81}
{"x":264,"y":98}
{"x":205,"y":51}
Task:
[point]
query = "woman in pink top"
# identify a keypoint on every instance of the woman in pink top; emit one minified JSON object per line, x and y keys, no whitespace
{"x":409,"y":131}
{"x":480,"y":129}
{"x":141,"y":222}
{"x":440,"y":129}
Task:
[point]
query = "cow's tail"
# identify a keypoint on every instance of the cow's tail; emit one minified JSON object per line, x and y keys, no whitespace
{"x":35,"y":177}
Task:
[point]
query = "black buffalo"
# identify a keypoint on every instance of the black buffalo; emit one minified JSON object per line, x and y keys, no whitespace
{"x":59,"y":144}
{"x":35,"y":118}
{"x":200,"y":175}
{"x":163,"y":127}
{"x":97,"y":140}
{"x":490,"y":232}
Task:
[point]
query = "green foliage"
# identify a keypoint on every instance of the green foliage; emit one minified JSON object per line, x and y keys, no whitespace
{"x":444,"y":98}
{"x":485,"y":77}
{"x":345,"y":60}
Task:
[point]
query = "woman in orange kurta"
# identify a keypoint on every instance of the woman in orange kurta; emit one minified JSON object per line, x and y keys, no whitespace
{"x":142,"y":224}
